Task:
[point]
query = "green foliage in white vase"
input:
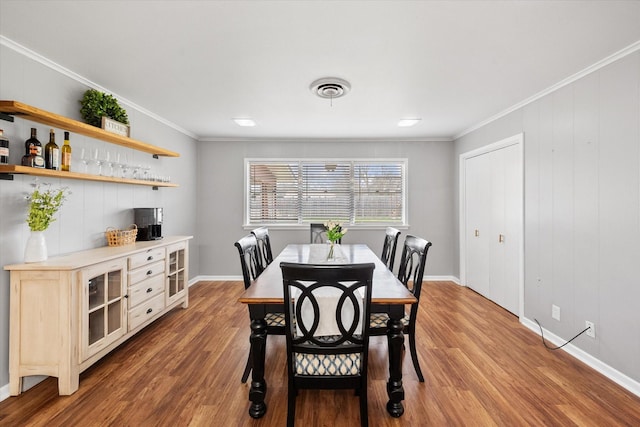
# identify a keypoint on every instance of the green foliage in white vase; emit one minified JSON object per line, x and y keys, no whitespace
{"x":44,"y":202}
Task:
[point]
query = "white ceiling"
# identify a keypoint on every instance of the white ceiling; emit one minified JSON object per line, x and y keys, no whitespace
{"x":199,"y":64}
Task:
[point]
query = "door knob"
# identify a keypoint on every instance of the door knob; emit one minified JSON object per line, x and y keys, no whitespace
{"x":501,"y":238}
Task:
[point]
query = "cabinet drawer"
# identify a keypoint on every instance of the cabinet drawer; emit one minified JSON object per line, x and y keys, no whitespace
{"x":145,"y":272}
{"x":145,"y":290}
{"x":142,"y":258}
{"x":146,"y":311}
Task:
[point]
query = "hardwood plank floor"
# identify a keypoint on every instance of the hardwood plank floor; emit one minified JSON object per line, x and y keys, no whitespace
{"x":481,"y":368}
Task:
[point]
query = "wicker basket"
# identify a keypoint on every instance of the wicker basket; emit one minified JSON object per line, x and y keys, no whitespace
{"x":117,"y":237}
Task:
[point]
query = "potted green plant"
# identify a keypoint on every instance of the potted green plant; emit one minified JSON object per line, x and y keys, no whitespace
{"x":96,"y":104}
{"x":44,"y":203}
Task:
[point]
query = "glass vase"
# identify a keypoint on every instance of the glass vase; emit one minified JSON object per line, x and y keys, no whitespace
{"x":331,"y":255}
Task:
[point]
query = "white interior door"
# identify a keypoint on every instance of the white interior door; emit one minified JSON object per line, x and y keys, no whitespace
{"x":493,"y":224}
{"x":477,"y":229}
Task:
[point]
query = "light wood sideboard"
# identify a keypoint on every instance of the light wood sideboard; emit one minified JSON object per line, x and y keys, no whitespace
{"x":69,"y":311}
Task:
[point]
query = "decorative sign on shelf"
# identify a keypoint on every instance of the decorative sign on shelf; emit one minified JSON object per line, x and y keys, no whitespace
{"x":115,"y":127}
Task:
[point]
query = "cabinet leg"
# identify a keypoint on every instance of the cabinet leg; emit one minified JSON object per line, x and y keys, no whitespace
{"x":15,"y":386}
{"x":68,"y":385}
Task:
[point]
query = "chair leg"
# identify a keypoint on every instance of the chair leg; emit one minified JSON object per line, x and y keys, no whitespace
{"x":364,"y":415}
{"x":414,"y":356}
{"x":291,"y":406}
{"x":247,"y":369}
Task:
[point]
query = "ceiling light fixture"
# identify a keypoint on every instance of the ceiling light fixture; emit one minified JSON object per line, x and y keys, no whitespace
{"x":330,"y":87}
{"x":245,"y":122}
{"x":408,"y":122}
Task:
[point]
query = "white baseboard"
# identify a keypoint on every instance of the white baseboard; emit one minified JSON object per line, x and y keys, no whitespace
{"x":616,"y":376}
{"x":442,"y":279}
{"x":27,"y":383}
{"x":239,"y":278}
{"x":216,"y":279}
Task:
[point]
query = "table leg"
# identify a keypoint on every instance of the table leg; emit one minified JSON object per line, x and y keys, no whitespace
{"x":258,"y":389}
{"x":395,"y":339}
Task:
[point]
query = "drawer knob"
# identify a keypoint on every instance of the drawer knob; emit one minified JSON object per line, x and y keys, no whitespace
{"x":149,"y":258}
{"x":149,"y":272}
{"x":149,"y":290}
{"x":149,"y":310}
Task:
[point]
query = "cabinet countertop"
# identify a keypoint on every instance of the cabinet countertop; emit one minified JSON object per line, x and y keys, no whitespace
{"x":75,"y":260}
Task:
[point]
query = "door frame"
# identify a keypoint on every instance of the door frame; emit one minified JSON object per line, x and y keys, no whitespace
{"x":518,"y":140}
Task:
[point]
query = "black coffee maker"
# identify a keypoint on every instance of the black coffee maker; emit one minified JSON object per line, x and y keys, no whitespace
{"x":149,"y":223}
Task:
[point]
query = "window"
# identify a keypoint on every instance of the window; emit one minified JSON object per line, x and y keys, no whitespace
{"x":355,"y":192}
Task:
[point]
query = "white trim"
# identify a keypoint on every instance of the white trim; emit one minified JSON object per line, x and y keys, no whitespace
{"x":239,"y":279}
{"x":27,"y":383}
{"x":518,"y":140}
{"x":442,"y":279}
{"x":614,"y":375}
{"x":80,"y":79}
{"x":220,"y":278}
{"x":306,"y":226}
{"x":580,"y":74}
{"x":307,"y":139}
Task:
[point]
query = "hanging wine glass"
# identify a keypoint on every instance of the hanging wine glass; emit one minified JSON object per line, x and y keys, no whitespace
{"x":84,"y":158}
{"x":95,"y":157}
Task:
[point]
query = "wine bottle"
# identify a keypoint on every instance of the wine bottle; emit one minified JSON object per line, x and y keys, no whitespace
{"x":4,"y":149}
{"x":33,"y":156}
{"x":66,"y":153}
{"x":52,"y":152}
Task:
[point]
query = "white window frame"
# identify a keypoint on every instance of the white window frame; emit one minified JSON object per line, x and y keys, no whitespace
{"x":404,"y":162}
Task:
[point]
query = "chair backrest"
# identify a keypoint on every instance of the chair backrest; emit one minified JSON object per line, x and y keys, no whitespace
{"x":307,"y":286}
{"x":389,"y":247}
{"x":264,"y":246}
{"x":412,"y":263}
{"x":318,"y":233}
{"x":249,"y":258}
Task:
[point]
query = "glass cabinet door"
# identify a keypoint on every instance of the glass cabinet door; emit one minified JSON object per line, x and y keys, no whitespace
{"x":104,"y":307}
{"x":176,"y":272}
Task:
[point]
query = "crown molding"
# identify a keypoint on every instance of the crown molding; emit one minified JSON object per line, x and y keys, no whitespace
{"x":590,"y":69}
{"x":305,"y":139}
{"x":4,"y":41}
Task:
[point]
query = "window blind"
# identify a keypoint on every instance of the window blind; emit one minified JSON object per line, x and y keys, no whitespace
{"x":304,"y":191}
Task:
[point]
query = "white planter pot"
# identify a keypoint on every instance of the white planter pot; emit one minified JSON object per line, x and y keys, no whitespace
{"x":36,"y":249}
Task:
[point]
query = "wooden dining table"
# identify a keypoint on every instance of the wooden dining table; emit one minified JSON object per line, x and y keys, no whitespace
{"x":389,"y":295}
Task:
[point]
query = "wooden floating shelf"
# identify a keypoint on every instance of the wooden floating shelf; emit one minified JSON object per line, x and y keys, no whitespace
{"x":26,"y":170}
{"x":34,"y":114}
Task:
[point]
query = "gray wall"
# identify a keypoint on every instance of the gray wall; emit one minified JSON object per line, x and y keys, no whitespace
{"x":92,"y":206}
{"x":221,"y":193}
{"x":582,"y":208}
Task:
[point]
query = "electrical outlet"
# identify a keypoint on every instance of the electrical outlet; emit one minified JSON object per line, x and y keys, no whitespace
{"x":555,"y":312}
{"x":591,"y":332}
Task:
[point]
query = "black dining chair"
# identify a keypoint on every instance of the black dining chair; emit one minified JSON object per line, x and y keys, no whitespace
{"x":337,"y":361}
{"x":251,"y":269}
{"x":389,"y":247}
{"x":264,"y":246}
{"x":319,"y":233}
{"x":410,"y":273}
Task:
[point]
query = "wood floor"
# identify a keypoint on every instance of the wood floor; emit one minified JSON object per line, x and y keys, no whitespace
{"x":481,"y":368}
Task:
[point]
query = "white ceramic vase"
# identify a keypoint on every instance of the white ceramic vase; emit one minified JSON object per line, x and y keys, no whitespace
{"x":36,"y":249}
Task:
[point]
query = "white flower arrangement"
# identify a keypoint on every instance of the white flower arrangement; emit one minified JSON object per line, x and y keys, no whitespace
{"x":335,"y":231}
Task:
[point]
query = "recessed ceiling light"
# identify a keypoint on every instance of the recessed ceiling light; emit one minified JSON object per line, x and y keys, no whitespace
{"x":408,"y":122}
{"x":245,"y":122}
